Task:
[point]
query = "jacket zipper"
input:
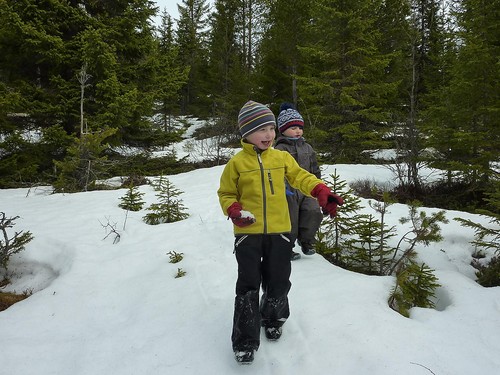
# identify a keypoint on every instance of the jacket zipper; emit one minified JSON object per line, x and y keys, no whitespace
{"x":270,"y":181}
{"x":263,"y":191}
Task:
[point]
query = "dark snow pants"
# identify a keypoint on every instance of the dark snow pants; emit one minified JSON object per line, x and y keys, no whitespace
{"x":263,"y":260}
{"x":305,"y":216}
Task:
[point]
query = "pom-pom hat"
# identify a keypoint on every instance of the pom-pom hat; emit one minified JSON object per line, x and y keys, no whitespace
{"x":289,"y":117}
{"x":253,"y":116}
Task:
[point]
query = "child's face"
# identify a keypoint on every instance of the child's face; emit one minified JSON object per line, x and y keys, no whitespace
{"x":262,"y":138}
{"x":294,"y":132}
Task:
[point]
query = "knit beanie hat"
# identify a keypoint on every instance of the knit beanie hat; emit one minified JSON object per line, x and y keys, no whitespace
{"x":253,"y":116}
{"x":289,"y":117}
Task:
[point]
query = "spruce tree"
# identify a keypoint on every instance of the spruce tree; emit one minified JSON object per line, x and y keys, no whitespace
{"x":169,"y":78}
{"x":369,"y":250}
{"x":415,"y":287}
{"x":169,"y":208}
{"x":84,"y":164}
{"x":132,"y":200}
{"x":344,"y":77}
{"x":425,"y":71}
{"x":191,"y":40}
{"x":228,"y":79}
{"x":466,"y":128}
{"x":334,"y":234}
{"x":11,"y":244}
{"x":280,"y":59}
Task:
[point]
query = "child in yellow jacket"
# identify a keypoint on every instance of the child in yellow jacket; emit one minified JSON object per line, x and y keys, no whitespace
{"x":252,"y":194}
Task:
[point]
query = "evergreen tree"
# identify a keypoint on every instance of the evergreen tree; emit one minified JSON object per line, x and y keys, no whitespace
{"x":465,"y":129}
{"x":280,"y":60}
{"x":11,"y":244}
{"x":227,"y":77}
{"x":169,"y":208}
{"x":37,"y":62}
{"x":170,"y":78}
{"x":119,"y":51}
{"x":44,"y":46}
{"x":335,"y":233}
{"x":425,"y":70}
{"x":191,"y":39}
{"x":369,"y":251}
{"x":132,"y":200}
{"x":251,"y":24}
{"x":487,"y":237}
{"x":415,"y":287}
{"x":84,"y":163}
{"x":344,"y":76}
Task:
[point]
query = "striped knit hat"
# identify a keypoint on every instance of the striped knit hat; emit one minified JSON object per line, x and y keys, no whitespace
{"x":253,"y":116}
{"x":289,"y":117}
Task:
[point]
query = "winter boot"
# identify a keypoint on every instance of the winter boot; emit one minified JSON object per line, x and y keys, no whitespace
{"x":307,"y":248}
{"x":244,"y":357}
{"x":273,"y":333}
{"x":295,"y":256}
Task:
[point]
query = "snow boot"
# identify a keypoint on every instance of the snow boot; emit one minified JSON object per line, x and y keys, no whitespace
{"x":295,"y":256}
{"x":273,"y":333}
{"x":244,"y":357}
{"x":307,"y":249}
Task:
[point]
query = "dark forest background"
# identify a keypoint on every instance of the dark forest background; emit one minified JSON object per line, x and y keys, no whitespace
{"x":79,"y":78}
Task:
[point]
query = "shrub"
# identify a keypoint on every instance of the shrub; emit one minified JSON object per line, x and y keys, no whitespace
{"x":415,"y":286}
{"x":8,"y":299}
{"x":11,"y":244}
{"x":132,"y":200}
{"x":169,"y":209}
{"x":489,"y":275}
{"x":360,"y":243}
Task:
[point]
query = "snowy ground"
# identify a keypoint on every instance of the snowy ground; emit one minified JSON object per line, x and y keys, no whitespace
{"x":104,"y":308}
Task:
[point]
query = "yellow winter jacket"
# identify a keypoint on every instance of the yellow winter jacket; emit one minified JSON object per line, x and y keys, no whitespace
{"x":256,"y":179}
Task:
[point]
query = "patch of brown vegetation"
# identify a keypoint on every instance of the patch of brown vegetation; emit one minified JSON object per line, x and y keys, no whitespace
{"x":8,"y":299}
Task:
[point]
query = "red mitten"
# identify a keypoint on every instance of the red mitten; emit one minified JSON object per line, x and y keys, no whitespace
{"x":327,"y":200}
{"x":240,"y":217}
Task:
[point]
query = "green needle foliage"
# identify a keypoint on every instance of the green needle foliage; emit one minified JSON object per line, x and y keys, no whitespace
{"x":175,"y":257}
{"x":11,"y":244}
{"x":132,"y":200}
{"x":487,"y":239}
{"x":334,"y":234}
{"x":180,"y":273}
{"x":365,"y":243}
{"x":415,"y":287}
{"x":169,"y":208}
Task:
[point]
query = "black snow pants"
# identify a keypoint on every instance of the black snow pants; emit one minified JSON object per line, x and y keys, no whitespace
{"x":263,"y":260}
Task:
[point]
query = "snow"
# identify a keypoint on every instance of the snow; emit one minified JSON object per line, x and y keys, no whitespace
{"x":104,"y":308}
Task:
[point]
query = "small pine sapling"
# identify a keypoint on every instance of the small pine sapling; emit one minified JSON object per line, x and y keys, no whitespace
{"x":132,"y":200}
{"x":367,"y":251}
{"x":169,"y":209}
{"x":180,"y":273}
{"x":489,"y":275}
{"x":333,"y":235}
{"x":11,"y":244}
{"x":415,"y":287}
{"x":487,"y":240}
{"x":424,"y":229}
{"x":175,"y":257}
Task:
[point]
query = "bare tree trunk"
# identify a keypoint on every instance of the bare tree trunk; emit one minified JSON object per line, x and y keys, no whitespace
{"x":83,"y":77}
